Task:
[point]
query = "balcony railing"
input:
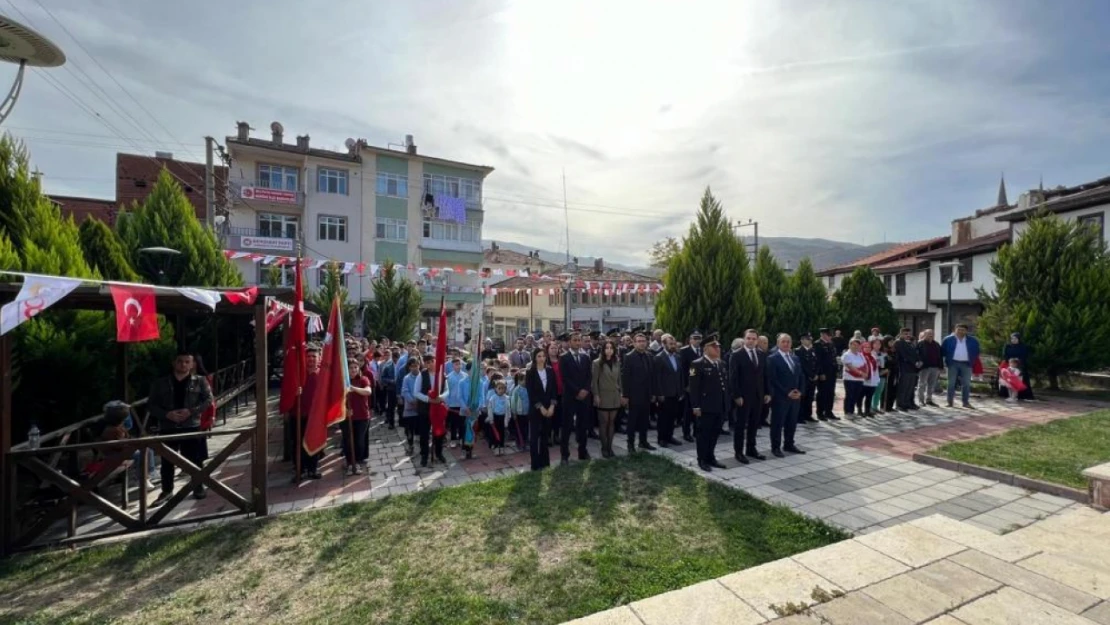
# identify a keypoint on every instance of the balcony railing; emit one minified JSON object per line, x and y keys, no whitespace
{"x":255,"y":232}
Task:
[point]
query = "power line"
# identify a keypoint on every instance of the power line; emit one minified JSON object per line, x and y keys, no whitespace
{"x":90,"y":135}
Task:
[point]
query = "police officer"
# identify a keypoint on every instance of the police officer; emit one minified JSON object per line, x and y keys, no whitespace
{"x":709,"y":400}
{"x":826,"y":376}
{"x":807,"y":355}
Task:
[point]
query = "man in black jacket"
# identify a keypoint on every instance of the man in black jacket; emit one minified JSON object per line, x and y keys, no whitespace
{"x":636,"y":389}
{"x":709,"y":397}
{"x":748,"y":390}
{"x":575,"y":369}
{"x":808,"y":357}
{"x":909,"y":361}
{"x":666,"y":389}
{"x":826,"y":375}
{"x":175,"y":403}
{"x":687,"y":355}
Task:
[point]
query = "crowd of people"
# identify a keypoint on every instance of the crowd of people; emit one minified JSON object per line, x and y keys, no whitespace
{"x":548,"y":389}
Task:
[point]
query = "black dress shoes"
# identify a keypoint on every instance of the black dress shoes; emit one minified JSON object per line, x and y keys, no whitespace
{"x":794,"y":450}
{"x":756,"y":455}
{"x":705,"y":467}
{"x":717,"y":465}
{"x":646,"y":446}
{"x":687,"y":438}
{"x":742,"y":459}
{"x":777,"y":453}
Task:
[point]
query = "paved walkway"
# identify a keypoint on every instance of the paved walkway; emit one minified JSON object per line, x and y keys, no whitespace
{"x":932,"y":570}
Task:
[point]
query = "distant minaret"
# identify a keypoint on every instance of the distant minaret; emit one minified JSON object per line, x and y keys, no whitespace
{"x":1002,"y":201}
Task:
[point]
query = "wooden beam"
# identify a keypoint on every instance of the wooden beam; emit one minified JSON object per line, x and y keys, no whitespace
{"x":261,"y":395}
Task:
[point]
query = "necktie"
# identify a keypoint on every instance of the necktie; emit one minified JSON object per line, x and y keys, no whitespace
{"x":751,"y":354}
{"x":789,"y":362}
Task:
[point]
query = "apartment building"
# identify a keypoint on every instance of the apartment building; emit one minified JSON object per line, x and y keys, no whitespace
{"x":360,"y":207}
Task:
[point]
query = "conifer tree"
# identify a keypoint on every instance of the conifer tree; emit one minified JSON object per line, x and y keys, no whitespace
{"x":772,"y":283}
{"x":805,"y":306}
{"x":104,"y":251}
{"x":861,"y":303}
{"x":331,"y":288}
{"x":708,"y":286}
{"x":167,"y":219}
{"x":1053,"y":287}
{"x":395,"y":309}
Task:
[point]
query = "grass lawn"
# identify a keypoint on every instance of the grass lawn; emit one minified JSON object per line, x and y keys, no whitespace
{"x":1055,"y":452}
{"x":532,"y":548}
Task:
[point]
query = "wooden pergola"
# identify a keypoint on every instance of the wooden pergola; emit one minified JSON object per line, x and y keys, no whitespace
{"x":48,"y":463}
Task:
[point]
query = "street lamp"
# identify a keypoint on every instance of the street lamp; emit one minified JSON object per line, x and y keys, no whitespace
{"x":19,"y":44}
{"x":166,"y":254}
{"x":953,"y":266}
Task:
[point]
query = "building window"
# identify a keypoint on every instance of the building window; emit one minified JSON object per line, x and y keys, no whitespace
{"x":331,"y":181}
{"x":278,"y":177}
{"x":1096,"y":221}
{"x":450,"y":231}
{"x":467,"y":188}
{"x":392,"y":229}
{"x":286,"y":275}
{"x":965,"y":270}
{"x":886,"y":283}
{"x":277,"y":225}
{"x":831,"y":283}
{"x":393,"y":185}
{"x":900,"y":284}
{"x":332,"y":228}
{"x":322,"y":278}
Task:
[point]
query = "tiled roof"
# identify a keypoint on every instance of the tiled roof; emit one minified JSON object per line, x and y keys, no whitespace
{"x":509,"y":257}
{"x":984,"y":243}
{"x":902,"y":264}
{"x":553,"y":278}
{"x":84,"y":207}
{"x":1086,"y":197}
{"x":136,"y":175}
{"x":895,"y":253}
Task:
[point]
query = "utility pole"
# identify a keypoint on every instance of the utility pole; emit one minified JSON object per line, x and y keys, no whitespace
{"x":209,"y":183}
{"x":754,"y":246}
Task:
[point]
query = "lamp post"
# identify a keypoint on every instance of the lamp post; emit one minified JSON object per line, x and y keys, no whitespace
{"x":952,"y":266}
{"x":166,"y":254}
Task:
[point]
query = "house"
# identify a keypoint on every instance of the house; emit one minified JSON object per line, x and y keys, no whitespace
{"x":1087,"y":203}
{"x":500,"y":264}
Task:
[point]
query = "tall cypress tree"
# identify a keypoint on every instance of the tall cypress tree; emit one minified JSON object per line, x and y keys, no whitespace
{"x":861,"y":303}
{"x":1053,"y":287}
{"x":709,"y":285}
{"x":772,"y":283}
{"x":167,"y":219}
{"x":806,"y":303}
{"x":104,"y":251}
{"x":395,"y":309}
{"x":331,"y":288}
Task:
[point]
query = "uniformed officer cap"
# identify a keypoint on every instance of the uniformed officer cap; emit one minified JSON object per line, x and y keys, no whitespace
{"x":594,"y":334}
{"x":565,"y":336}
{"x":805,"y":335}
{"x":824,"y":331}
{"x":712,"y":339}
{"x":696,"y":334}
{"x":638,"y":329}
{"x":613,"y":332}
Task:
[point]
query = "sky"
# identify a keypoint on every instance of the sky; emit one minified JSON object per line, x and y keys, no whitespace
{"x":855,"y":120}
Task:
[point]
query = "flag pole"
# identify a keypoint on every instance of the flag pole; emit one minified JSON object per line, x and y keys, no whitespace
{"x":299,"y":443}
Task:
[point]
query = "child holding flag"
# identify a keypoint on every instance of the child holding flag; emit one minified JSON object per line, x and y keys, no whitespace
{"x":498,"y":406}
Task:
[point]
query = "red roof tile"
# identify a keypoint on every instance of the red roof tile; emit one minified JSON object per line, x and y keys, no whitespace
{"x":902,"y":264}
{"x":84,"y":207}
{"x":895,"y":253}
{"x":136,"y":175}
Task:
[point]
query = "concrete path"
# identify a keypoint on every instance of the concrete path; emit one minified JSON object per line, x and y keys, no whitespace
{"x":932,"y":570}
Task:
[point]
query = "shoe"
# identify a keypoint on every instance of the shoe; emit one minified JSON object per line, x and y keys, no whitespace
{"x":915,"y":407}
{"x":314,"y":475}
{"x":717,"y":465}
{"x":756,"y":455}
{"x":390,"y":426}
{"x":631,"y":448}
{"x":662,"y":444}
{"x":646,"y":446}
{"x":469,"y":454}
{"x":811,"y":419}
{"x":822,"y":417}
{"x":969,"y":407}
{"x":724,"y":433}
{"x":950,"y":404}
{"x":355,"y":470}
{"x":687,"y":438}
{"x":777,"y":453}
{"x":705,"y":467}
{"x":832,"y":417}
{"x":162,"y":498}
{"x":423,"y":463}
{"x":584,"y":456}
{"x":932,"y":403}
{"x":742,"y":459}
{"x":794,"y":450}
{"x":564,"y":462}
{"x":440,"y":458}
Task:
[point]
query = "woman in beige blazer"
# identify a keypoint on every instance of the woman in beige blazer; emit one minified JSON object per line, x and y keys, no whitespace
{"x":606,"y":382}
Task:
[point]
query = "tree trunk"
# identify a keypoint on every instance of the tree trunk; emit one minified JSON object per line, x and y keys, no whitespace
{"x":1053,"y":381}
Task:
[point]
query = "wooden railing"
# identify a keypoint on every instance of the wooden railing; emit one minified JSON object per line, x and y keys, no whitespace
{"x":49,"y":483}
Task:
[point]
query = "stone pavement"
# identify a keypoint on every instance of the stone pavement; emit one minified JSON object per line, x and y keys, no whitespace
{"x":931,"y":570}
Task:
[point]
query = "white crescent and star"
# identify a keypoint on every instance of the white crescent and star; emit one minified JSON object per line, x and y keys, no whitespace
{"x":129,"y":303}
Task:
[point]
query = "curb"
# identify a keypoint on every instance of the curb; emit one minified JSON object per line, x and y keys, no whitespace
{"x":1005,"y":477}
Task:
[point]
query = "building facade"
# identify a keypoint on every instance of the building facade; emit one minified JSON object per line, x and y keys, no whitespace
{"x":361,"y":207}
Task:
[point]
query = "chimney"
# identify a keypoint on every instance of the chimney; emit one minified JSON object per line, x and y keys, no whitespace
{"x":244,"y":132}
{"x":277,"y":133}
{"x":599,"y":265}
{"x":410,"y":147}
{"x":493,"y":246}
{"x":302,"y":142}
{"x":164,"y":155}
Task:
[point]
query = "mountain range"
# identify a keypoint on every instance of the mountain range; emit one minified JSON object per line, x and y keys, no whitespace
{"x":788,"y":250}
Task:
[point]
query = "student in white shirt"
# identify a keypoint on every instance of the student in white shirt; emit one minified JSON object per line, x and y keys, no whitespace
{"x":855,"y":373}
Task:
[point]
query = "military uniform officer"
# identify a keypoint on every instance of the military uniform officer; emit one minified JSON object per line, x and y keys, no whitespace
{"x":807,"y":355}
{"x":709,"y":400}
{"x":826,"y":376}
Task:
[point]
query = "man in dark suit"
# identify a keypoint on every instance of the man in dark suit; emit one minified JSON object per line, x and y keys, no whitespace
{"x":787,"y":382}
{"x":687,"y":355}
{"x":575,"y":369}
{"x":708,"y":393}
{"x":636,"y":389}
{"x":749,"y":393}
{"x":826,"y":375}
{"x":909,"y":361}
{"x":808,"y":357}
{"x":666,"y":389}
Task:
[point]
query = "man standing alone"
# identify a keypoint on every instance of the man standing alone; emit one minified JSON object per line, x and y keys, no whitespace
{"x":176,"y":403}
{"x":931,"y":361}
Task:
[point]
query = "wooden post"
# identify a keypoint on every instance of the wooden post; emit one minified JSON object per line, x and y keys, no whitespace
{"x":123,"y":389}
{"x":261,"y":391}
{"x":7,"y":468}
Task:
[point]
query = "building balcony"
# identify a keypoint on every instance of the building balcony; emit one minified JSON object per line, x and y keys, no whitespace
{"x":249,"y":192}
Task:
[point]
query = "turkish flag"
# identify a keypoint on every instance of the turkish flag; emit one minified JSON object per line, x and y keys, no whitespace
{"x":246,"y":296}
{"x":136,"y":315}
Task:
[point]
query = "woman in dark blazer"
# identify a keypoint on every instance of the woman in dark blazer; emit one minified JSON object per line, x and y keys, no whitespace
{"x":543,"y":395}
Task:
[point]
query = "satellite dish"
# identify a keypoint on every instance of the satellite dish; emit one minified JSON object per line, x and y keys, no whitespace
{"x":277,"y":128}
{"x":19,"y":44}
{"x":350,"y":143}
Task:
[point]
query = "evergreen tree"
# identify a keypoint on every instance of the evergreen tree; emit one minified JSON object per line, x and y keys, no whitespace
{"x":395,"y":309}
{"x":861,"y":304}
{"x":273,"y":276}
{"x":708,"y":286}
{"x":662,"y":251}
{"x":772,"y":283}
{"x":167,"y":219}
{"x":331,"y":288}
{"x":104,"y":251}
{"x":1053,"y":287}
{"x":9,"y":258}
{"x":805,"y":307}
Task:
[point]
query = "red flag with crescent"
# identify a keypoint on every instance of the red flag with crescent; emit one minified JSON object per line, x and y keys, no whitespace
{"x":437,"y":413}
{"x":136,"y":315}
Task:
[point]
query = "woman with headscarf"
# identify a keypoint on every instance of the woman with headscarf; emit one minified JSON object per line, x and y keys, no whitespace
{"x":1016,"y":349}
